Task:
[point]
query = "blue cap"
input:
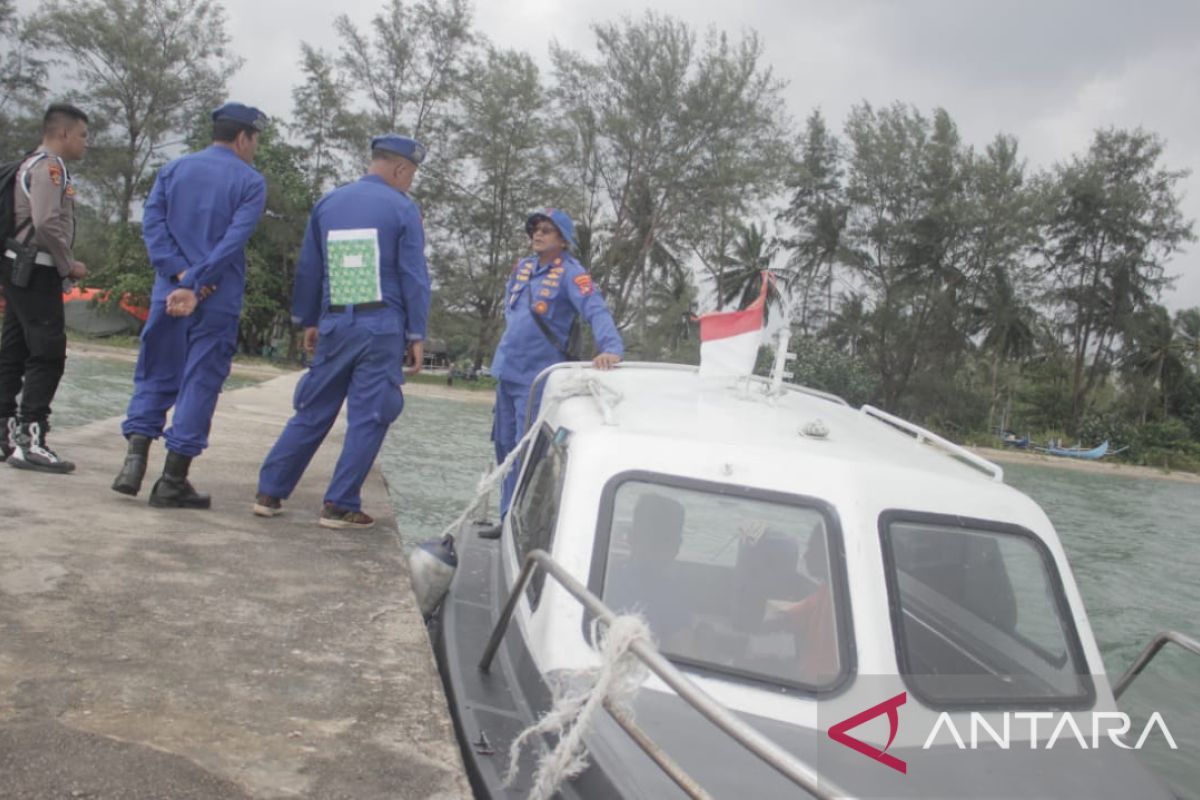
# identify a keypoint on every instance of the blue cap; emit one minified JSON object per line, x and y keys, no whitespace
{"x":247,"y":115}
{"x":558,"y":218}
{"x":411,"y":149}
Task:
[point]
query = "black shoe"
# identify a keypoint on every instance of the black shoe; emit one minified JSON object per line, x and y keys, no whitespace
{"x":8,"y":437}
{"x":267,"y":506}
{"x":30,"y":450}
{"x":173,"y":490}
{"x":129,"y":480}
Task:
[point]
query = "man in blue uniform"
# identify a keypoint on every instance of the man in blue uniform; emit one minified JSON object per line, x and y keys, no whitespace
{"x":546,"y":294}
{"x":199,"y":216}
{"x":362,"y":296}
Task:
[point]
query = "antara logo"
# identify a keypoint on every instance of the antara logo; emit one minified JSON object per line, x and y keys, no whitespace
{"x":1102,"y":727}
{"x":889,"y":707}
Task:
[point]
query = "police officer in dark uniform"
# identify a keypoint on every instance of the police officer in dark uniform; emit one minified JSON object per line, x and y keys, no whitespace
{"x":33,"y":345}
{"x":362,"y":295}
{"x":545,"y":294}
{"x":201,"y":212}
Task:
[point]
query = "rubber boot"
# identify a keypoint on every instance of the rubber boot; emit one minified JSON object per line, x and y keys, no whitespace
{"x":129,"y":480}
{"x":173,"y":490}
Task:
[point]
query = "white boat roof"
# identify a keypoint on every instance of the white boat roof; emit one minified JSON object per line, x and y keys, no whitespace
{"x":672,"y":403}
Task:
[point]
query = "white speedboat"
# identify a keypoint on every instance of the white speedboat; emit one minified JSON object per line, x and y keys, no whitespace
{"x":842,"y":603}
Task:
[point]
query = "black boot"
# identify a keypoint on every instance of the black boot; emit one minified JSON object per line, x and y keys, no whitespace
{"x":129,"y":480}
{"x":173,"y":490}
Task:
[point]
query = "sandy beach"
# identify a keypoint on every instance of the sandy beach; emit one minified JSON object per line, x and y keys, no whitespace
{"x":1079,"y":465}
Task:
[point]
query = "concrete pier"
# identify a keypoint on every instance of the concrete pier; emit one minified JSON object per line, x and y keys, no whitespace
{"x":210,"y":654}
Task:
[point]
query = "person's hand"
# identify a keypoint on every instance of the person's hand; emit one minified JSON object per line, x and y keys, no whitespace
{"x":206,"y":292}
{"x":606,"y":360}
{"x":78,"y":271}
{"x":310,"y":340}
{"x":415,"y":358}
{"x":181,"y":302}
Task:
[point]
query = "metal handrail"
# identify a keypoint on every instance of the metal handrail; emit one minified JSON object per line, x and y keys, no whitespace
{"x":762,"y":747}
{"x":977,"y":461}
{"x":1160,"y":640}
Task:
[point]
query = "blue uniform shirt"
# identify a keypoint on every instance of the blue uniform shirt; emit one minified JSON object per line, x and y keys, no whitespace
{"x":368,"y":205}
{"x":556,"y":292}
{"x":199,"y":216}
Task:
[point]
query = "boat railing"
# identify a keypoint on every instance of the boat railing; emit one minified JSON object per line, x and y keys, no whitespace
{"x":762,"y":747}
{"x":978,"y":462}
{"x":1160,"y":640}
{"x":535,"y":387}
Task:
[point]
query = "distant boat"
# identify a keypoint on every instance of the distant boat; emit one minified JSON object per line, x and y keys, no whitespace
{"x":1012,"y":440}
{"x":1094,"y":454}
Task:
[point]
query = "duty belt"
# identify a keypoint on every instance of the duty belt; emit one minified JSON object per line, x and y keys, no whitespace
{"x":42,"y":259}
{"x":371,"y":306}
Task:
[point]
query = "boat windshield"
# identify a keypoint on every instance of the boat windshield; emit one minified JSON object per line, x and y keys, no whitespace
{"x":740,"y":584}
{"x":980,"y":616}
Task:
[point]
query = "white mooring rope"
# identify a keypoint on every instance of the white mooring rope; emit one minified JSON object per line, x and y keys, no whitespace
{"x":578,"y":696}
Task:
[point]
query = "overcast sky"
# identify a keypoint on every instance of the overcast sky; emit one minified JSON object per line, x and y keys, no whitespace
{"x":1049,"y":72}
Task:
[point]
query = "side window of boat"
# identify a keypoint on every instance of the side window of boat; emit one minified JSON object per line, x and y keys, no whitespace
{"x":537,"y":501}
{"x":979,"y":614}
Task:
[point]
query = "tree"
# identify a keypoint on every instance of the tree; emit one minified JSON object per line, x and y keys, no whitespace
{"x":497,"y":168}
{"x":145,"y":68}
{"x":907,"y":241}
{"x":1115,"y":221}
{"x":1003,"y":218}
{"x":411,"y":68}
{"x":751,"y":254}
{"x":1007,"y":323}
{"x":671,"y":138}
{"x":333,"y":140}
{"x":275,"y":246}
{"x":1155,"y":348}
{"x":22,"y":84}
{"x":817,"y":212}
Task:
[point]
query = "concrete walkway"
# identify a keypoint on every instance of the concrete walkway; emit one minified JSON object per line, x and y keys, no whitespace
{"x":192,"y":654}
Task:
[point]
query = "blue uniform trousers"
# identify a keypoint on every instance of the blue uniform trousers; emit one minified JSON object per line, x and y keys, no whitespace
{"x":508,"y":426}
{"x":356,"y":364}
{"x":183,"y":361}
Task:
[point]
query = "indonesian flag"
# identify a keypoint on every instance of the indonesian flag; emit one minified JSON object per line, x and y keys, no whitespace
{"x":729,"y":340}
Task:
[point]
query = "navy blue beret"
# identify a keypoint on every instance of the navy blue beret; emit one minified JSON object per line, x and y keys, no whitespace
{"x":411,"y":149}
{"x":247,"y":115}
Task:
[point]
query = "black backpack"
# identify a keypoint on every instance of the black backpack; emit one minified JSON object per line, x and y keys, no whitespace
{"x":8,"y":201}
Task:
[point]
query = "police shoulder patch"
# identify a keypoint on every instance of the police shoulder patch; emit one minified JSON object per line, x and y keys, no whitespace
{"x":584,"y":282}
{"x":56,"y":176}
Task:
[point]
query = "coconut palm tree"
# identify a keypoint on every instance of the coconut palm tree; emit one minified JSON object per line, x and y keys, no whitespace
{"x":1155,"y":350}
{"x":1007,"y":324}
{"x":751,"y":254}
